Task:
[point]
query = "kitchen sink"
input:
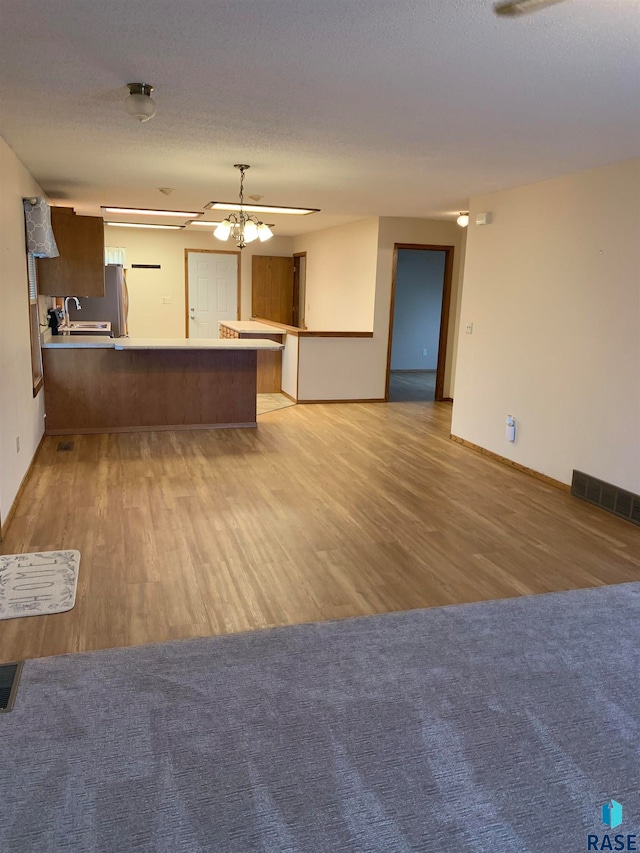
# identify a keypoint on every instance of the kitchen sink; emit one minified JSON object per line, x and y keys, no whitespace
{"x":86,"y":326}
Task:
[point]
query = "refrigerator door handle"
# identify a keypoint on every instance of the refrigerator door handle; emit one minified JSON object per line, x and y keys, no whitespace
{"x":126,"y":302}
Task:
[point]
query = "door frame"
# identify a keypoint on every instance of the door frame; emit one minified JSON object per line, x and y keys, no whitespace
{"x":444,"y":312}
{"x":296,"y":285}
{"x":186,"y":278}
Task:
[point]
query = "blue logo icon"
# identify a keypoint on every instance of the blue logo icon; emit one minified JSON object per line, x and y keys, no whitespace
{"x":612,"y":814}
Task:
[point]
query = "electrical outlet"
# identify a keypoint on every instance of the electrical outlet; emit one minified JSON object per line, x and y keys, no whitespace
{"x":17,"y":444}
{"x":167,"y":300}
{"x":424,"y":352}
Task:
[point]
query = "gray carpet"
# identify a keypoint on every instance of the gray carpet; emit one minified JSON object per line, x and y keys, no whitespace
{"x":500,"y":726}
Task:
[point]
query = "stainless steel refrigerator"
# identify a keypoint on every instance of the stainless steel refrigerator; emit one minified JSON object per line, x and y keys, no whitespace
{"x":112,"y":307}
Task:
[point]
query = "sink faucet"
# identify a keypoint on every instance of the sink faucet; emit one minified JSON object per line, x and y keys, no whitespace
{"x":66,"y":307}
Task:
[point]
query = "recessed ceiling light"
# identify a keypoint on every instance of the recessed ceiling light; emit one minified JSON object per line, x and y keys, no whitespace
{"x":260,"y":208}
{"x":143,"y":225}
{"x":141,"y":211}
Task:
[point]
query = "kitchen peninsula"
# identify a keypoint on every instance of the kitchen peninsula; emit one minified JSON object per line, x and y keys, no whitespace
{"x":269,"y":363}
{"x":95,"y":385}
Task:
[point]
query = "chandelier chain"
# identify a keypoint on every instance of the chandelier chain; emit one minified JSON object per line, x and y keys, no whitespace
{"x":241,"y":189}
{"x":242,"y":227}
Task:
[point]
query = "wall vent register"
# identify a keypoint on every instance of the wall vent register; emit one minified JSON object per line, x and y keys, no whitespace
{"x":617,"y":501}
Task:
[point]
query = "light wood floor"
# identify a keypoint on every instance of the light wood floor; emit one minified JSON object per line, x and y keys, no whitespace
{"x":271,"y":402}
{"x":323,"y":512}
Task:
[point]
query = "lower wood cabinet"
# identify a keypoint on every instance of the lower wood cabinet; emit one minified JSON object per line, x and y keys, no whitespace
{"x":269,"y":363}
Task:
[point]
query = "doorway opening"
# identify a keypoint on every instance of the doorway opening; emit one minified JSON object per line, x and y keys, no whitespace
{"x":419,"y":322}
{"x":212,"y":290}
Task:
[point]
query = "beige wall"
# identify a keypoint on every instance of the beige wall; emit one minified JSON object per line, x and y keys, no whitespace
{"x":356,"y":368}
{"x":340,"y":276}
{"x":552,"y":287}
{"x":340,"y":369}
{"x":148,"y":316}
{"x":20,"y":414}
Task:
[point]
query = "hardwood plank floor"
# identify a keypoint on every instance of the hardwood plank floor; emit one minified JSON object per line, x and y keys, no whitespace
{"x":323,"y":512}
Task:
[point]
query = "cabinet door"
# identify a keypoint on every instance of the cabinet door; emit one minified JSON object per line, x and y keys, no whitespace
{"x":79,"y":271}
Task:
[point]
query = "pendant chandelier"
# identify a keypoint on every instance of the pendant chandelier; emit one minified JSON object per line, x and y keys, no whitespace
{"x":241,"y":226}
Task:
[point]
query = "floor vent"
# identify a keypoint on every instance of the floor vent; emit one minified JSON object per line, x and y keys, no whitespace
{"x":65,"y":445}
{"x":618,"y":501}
{"x":9,"y":679}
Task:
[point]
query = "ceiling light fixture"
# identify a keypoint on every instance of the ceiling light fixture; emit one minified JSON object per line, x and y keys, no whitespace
{"x":512,"y":8}
{"x":257,"y":208}
{"x":141,"y":211}
{"x":143,"y":225}
{"x":208,"y":223}
{"x":260,"y":208}
{"x":463,"y":219}
{"x":140,"y":104}
{"x":241,"y":226}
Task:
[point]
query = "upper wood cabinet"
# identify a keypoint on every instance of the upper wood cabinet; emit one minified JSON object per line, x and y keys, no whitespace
{"x":79,"y":271}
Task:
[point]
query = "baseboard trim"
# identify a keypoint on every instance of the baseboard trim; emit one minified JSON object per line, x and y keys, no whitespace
{"x":288,"y":396}
{"x":446,"y":400}
{"x":161,"y":428}
{"x":16,"y":500}
{"x":364,"y":400}
{"x":523,"y":468}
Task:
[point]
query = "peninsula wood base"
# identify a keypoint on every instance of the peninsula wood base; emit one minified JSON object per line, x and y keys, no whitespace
{"x":106,"y":390}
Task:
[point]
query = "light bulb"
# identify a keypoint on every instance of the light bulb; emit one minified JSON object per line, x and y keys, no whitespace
{"x":264,"y":232}
{"x":223,"y":230}
{"x":250,"y":231}
{"x":463,"y":220}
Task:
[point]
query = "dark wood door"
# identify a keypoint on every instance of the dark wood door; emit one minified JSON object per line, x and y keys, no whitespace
{"x":272,"y":289}
{"x":79,"y":271}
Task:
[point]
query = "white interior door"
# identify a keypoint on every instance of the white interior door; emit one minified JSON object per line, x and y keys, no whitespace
{"x":212,"y":292}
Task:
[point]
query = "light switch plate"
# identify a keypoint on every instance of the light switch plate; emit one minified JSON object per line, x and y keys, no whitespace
{"x":469,"y":329}
{"x":167,"y":300}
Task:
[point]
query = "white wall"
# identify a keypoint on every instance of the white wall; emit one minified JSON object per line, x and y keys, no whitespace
{"x":289,"y":383}
{"x":417,"y":309}
{"x":20,"y":414}
{"x":340,"y":276}
{"x":148,"y":316}
{"x":552,"y":287}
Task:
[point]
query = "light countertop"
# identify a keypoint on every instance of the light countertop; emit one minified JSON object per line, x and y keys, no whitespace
{"x":96,"y":342}
{"x":78,"y":342}
{"x":247,"y":326}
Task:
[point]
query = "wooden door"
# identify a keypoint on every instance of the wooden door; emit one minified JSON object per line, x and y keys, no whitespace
{"x":272,"y":289}
{"x":212,"y":291}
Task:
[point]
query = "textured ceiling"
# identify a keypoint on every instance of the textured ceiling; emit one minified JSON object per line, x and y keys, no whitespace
{"x":359,"y":107}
